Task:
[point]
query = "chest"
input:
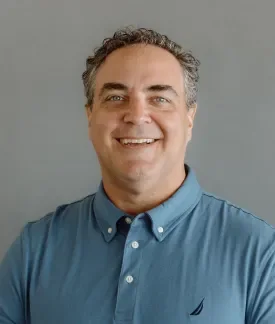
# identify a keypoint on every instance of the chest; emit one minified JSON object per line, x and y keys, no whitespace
{"x":137,"y":280}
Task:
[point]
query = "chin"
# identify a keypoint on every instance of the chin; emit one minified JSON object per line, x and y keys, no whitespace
{"x":137,"y":173}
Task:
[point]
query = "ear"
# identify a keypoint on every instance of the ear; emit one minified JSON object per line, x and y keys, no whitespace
{"x":88,"y":110}
{"x":191,"y":113}
{"x":88,"y":113}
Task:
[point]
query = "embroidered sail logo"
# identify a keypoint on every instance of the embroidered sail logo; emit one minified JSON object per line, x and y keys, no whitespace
{"x":198,"y":310}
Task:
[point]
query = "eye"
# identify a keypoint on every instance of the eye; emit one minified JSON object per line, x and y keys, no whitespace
{"x":114,"y":98}
{"x":161,"y":99}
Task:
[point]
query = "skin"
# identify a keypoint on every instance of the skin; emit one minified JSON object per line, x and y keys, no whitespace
{"x":137,"y":180}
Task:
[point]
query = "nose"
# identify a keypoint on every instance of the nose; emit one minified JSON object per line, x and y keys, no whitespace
{"x":137,"y":112}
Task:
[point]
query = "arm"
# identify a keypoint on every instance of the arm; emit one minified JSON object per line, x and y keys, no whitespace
{"x":12,"y":285}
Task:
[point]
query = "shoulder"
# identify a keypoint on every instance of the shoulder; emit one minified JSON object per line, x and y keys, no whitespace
{"x":58,"y":221}
{"x":239,"y":222}
{"x":246,"y":239}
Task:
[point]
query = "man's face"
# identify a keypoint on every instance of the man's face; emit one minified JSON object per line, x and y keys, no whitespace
{"x":139,"y":94}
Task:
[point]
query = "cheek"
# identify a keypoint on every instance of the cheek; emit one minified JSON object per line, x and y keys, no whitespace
{"x":173,"y":127}
{"x":175,"y":134}
{"x":100,"y":130}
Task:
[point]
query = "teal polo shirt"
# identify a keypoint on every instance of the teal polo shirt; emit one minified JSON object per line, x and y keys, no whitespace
{"x":195,"y":258}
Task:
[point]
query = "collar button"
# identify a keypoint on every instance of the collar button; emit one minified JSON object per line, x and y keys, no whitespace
{"x":160,"y":229}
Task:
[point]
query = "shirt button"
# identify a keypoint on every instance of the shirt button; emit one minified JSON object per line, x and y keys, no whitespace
{"x":129,"y":279}
{"x":160,"y":229}
{"x":128,"y":220}
{"x":110,"y":230}
{"x":135,"y":245}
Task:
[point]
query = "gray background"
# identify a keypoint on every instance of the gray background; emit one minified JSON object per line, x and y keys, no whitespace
{"x":46,"y":157}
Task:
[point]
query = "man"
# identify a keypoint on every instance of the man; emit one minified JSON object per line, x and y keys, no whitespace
{"x":150,"y":246}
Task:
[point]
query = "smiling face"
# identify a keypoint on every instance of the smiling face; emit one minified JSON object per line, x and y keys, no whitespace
{"x":139,"y":94}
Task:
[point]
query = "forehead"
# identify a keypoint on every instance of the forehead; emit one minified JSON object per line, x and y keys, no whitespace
{"x":141,"y":65}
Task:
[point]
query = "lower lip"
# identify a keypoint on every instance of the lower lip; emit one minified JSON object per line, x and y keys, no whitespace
{"x":137,"y":146}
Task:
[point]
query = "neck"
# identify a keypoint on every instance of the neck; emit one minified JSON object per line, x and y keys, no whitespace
{"x":137,"y":199}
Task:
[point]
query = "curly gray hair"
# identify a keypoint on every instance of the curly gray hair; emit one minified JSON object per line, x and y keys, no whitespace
{"x":128,"y":36}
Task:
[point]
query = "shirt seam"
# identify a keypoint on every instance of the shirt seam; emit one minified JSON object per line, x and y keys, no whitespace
{"x":239,"y":208}
{"x":49,"y":215}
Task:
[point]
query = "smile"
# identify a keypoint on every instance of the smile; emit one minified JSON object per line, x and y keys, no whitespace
{"x":140,"y":142}
{"x":136,"y":141}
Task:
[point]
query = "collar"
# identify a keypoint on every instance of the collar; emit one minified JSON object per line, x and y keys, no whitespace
{"x":164,"y":217}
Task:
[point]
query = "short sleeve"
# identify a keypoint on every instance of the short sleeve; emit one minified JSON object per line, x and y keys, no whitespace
{"x":262,"y":310}
{"x":12,"y":294}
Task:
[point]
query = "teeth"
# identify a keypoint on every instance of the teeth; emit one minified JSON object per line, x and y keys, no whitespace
{"x":139,"y":141}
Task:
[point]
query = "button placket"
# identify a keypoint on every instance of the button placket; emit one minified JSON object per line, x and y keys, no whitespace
{"x":129,"y":279}
{"x":135,"y":245}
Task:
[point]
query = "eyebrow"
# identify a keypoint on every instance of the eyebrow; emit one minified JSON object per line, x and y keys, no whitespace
{"x":120,"y":86}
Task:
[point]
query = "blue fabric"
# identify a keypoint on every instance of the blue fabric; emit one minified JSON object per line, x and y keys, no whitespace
{"x":196,"y":258}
